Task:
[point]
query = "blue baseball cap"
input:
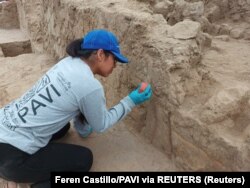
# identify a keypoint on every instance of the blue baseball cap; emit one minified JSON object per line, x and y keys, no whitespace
{"x":102,"y":39}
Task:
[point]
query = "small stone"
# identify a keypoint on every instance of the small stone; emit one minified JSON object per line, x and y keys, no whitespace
{"x":186,"y":29}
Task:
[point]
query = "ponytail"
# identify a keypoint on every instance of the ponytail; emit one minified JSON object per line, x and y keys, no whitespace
{"x":74,"y":49}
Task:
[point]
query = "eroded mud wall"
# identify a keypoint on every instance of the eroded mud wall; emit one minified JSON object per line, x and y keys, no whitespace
{"x":8,"y":16}
{"x":164,"y":41}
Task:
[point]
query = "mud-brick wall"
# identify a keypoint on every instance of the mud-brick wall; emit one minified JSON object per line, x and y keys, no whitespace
{"x":8,"y":16}
{"x":232,"y":9}
{"x":165,"y":55}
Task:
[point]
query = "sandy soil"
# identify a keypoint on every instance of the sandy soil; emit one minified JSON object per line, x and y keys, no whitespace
{"x":228,"y":62}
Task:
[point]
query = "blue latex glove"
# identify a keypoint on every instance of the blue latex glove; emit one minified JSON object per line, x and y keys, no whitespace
{"x":139,"y":98}
{"x":86,"y":131}
{"x":83,"y":128}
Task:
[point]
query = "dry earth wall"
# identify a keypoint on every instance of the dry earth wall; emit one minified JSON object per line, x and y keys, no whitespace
{"x":8,"y":16}
{"x":164,"y":41}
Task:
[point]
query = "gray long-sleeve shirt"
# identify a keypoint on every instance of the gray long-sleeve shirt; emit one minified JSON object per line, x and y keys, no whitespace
{"x":68,"y":89}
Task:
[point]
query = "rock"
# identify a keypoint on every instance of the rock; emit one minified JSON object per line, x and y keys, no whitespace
{"x":194,"y":10}
{"x":186,"y":29}
{"x":163,"y":7}
{"x":213,"y":13}
{"x":215,"y":29}
{"x":205,"y":24}
{"x":225,"y":29}
{"x":237,"y":33}
{"x":204,"y":39}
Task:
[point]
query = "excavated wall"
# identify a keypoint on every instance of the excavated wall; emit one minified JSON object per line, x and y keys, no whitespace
{"x":8,"y":16}
{"x":164,"y":41}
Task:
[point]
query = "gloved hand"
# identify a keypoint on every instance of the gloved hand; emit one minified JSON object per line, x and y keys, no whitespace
{"x":138,"y":97}
{"x":82,"y":127}
{"x":86,"y":131}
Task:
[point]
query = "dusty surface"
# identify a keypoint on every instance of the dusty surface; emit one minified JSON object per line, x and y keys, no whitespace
{"x":8,"y":15}
{"x":228,"y":62}
{"x":12,"y":35}
{"x":121,"y":150}
{"x":194,"y":53}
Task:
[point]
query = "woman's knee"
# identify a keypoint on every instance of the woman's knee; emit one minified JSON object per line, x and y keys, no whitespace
{"x":87,"y":157}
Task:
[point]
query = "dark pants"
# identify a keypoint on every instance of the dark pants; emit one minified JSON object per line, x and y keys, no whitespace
{"x":18,"y":166}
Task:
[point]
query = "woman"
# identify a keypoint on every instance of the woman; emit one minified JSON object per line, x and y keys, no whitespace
{"x":67,"y":91}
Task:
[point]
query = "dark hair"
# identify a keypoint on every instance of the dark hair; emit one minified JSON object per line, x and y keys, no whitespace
{"x":74,"y":50}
